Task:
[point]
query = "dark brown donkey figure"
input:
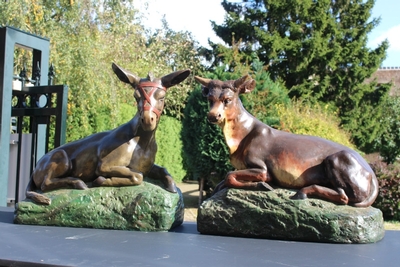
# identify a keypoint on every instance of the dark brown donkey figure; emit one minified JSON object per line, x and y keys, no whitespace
{"x":120,"y":157}
{"x":262,"y":155}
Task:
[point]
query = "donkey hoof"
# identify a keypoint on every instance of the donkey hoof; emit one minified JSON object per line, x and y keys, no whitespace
{"x":98,"y":181}
{"x":80,"y":185}
{"x":171,"y":188}
{"x":299,"y":196}
{"x":42,"y":200}
{"x":264,"y":186}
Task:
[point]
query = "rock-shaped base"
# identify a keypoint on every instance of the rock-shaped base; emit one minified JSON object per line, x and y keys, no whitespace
{"x":274,"y":215}
{"x":146,"y":207}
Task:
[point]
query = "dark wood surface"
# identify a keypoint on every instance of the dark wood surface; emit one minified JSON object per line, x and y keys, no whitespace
{"x":30,"y":245}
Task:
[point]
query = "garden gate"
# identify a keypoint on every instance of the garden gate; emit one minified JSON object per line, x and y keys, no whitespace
{"x":33,"y":118}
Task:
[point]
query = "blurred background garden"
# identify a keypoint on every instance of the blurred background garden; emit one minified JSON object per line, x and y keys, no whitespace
{"x":310,"y":60}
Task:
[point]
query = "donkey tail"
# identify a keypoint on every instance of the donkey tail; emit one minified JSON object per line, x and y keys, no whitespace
{"x":34,"y":196}
{"x":373,"y":193}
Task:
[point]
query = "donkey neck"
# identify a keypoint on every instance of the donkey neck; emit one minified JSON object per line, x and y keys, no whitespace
{"x":236,"y":129}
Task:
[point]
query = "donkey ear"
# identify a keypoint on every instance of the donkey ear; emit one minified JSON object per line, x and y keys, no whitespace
{"x":237,"y":83}
{"x":125,"y":76}
{"x":244,"y":84}
{"x":247,"y":86}
{"x":174,"y":78}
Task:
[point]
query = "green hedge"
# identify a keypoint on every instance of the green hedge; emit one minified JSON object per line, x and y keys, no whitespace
{"x":204,"y":148}
{"x":169,"y":154}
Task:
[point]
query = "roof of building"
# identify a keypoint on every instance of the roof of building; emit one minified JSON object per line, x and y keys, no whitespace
{"x":387,"y":75}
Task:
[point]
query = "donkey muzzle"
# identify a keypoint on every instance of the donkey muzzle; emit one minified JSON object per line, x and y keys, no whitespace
{"x":149,"y":120}
{"x":214,"y":118}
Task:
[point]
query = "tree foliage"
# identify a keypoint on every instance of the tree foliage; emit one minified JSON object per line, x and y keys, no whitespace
{"x":86,"y":37}
{"x":318,"y":49}
{"x":169,"y":153}
{"x":204,"y":149}
{"x":307,"y":119}
{"x":174,"y":51}
{"x":388,"y":142}
{"x":266,"y":97}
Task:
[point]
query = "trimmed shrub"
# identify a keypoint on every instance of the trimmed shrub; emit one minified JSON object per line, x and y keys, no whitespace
{"x":204,"y":150}
{"x":388,"y":200}
{"x":126,"y":112}
{"x":169,"y":153}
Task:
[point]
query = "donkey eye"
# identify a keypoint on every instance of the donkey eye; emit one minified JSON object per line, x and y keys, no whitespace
{"x":159,"y":94}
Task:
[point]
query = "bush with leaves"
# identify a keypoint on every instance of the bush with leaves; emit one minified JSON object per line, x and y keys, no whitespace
{"x":171,"y":51}
{"x":85,"y":38}
{"x":263,"y":100}
{"x":302,"y":118}
{"x":388,"y":200}
{"x":204,"y":150}
{"x":169,"y":153}
{"x":388,"y":143}
{"x":318,"y":49}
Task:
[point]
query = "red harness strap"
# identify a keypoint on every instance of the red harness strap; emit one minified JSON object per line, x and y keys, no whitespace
{"x":147,"y":102}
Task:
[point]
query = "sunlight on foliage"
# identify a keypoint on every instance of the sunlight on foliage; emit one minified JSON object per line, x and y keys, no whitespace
{"x":301,"y":118}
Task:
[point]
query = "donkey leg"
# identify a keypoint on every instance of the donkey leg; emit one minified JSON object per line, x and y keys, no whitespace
{"x":349,"y":180}
{"x":323,"y":193}
{"x":66,"y":182}
{"x":49,"y":172}
{"x":161,"y":173}
{"x":136,"y":179}
{"x":117,"y":176}
{"x":348,"y":171}
{"x":221,"y":185}
{"x":249,"y":179}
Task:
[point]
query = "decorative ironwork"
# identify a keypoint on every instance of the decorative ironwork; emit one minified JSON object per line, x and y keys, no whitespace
{"x":40,"y":104}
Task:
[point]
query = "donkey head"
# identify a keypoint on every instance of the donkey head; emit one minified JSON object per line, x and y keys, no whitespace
{"x":150,"y":93}
{"x":223,"y":97}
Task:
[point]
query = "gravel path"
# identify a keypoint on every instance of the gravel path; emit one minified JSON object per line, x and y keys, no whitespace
{"x":190,"y":192}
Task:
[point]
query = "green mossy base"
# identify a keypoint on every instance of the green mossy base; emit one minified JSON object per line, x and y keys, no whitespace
{"x":146,"y":207}
{"x":274,"y":215}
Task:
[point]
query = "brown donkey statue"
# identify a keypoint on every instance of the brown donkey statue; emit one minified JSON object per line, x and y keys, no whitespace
{"x":120,"y":157}
{"x":261,"y":155}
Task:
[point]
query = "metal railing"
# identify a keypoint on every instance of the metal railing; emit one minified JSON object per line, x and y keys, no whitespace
{"x":33,"y":107}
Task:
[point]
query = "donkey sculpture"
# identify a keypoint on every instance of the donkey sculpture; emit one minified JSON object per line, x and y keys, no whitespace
{"x":261,"y":155}
{"x":120,"y":157}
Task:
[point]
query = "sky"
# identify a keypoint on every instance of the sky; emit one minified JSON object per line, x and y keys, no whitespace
{"x":195,"y":16}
